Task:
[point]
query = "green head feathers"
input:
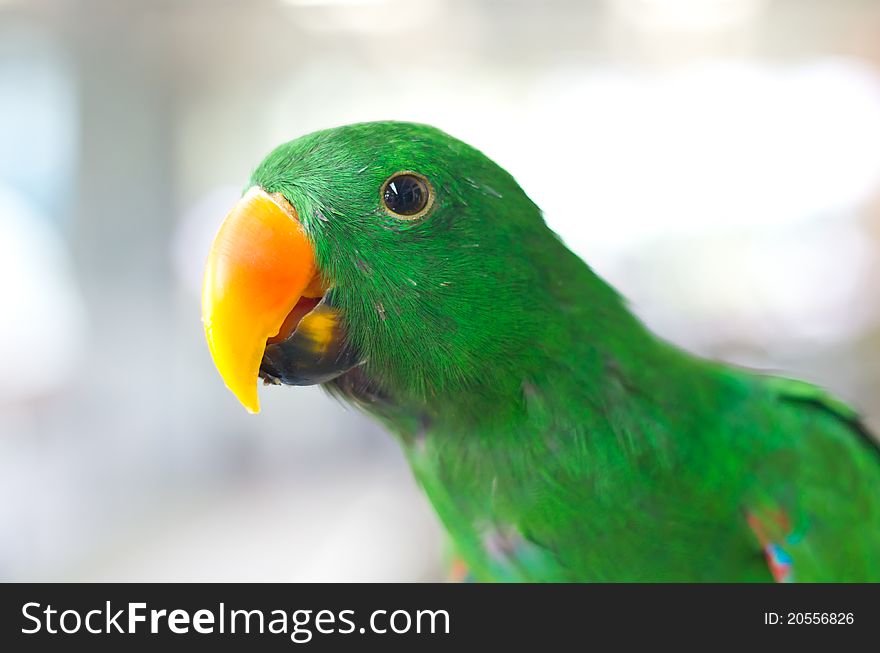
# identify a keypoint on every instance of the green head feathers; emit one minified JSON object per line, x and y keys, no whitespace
{"x":455,"y":298}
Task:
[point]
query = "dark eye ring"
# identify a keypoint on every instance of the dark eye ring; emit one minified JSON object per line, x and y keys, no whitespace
{"x":407,"y":195}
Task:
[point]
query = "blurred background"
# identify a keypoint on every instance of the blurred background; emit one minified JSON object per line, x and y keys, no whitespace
{"x":717,"y":160}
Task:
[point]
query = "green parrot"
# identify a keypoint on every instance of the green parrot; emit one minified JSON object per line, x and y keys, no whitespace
{"x":555,"y":436}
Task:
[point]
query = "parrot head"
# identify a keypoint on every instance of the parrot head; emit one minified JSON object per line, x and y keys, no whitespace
{"x":388,"y":246}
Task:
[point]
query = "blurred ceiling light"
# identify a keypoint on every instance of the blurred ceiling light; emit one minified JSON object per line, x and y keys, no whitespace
{"x":689,"y":15}
{"x":329,"y":3}
{"x":709,"y":149}
{"x":374,"y":16}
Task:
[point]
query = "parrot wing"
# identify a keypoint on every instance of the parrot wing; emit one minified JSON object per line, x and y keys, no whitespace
{"x":829,"y":476}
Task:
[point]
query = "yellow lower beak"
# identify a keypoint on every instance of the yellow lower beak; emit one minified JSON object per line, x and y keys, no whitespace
{"x":261,"y":263}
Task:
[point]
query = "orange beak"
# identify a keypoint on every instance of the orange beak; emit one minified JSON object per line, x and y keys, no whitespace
{"x":260,"y":266}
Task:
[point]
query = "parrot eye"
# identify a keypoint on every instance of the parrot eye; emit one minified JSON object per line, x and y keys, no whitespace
{"x":407,"y":195}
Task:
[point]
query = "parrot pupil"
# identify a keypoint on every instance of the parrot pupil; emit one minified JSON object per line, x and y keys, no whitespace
{"x":405,"y":194}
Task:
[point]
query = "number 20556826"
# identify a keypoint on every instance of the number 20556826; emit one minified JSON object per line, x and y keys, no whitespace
{"x":809,"y":618}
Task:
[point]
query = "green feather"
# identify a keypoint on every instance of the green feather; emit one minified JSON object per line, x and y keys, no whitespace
{"x":556,"y":437}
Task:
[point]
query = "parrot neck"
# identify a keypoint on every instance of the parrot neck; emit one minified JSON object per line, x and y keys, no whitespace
{"x":599,"y":355}
{"x":593,"y":354}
